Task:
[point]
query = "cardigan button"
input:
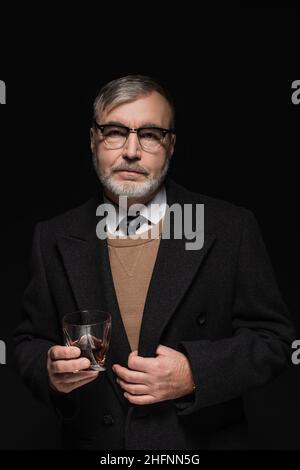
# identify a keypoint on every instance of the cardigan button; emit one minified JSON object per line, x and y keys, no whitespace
{"x":108,"y":419}
{"x":201,"y":319}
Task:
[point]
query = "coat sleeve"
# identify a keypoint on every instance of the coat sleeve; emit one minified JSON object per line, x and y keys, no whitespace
{"x":38,"y":331}
{"x":260,"y":346}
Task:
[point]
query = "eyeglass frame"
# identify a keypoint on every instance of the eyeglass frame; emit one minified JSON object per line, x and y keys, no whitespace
{"x":132,"y":130}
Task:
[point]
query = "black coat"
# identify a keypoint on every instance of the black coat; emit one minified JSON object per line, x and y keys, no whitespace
{"x":219,"y":305}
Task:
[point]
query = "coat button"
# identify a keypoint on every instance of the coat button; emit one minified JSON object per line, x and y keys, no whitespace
{"x":108,"y":419}
{"x":201,"y":319}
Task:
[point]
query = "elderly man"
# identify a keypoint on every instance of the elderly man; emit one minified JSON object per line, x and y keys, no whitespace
{"x":192,"y":330}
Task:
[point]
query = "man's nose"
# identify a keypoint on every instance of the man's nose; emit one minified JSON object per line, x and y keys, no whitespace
{"x":132,"y":146}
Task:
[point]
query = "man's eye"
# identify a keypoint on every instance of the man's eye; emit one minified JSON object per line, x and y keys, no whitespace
{"x":115,"y":133}
{"x":150,"y":135}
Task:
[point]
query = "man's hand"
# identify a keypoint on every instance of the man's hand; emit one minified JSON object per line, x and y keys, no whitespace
{"x":150,"y":380}
{"x":66,"y":369}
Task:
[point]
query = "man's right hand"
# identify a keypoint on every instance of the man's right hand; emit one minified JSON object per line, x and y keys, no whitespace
{"x":66,"y":369}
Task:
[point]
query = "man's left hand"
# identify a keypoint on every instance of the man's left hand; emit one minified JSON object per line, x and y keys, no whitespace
{"x":150,"y":380}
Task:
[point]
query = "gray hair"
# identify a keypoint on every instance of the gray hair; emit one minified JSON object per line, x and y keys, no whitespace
{"x":126,"y":89}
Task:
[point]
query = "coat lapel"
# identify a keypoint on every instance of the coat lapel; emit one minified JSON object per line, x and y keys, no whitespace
{"x":173,"y":273}
{"x":86,"y":262}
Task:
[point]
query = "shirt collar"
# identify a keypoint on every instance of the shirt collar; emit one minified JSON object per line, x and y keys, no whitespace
{"x":153,"y":211}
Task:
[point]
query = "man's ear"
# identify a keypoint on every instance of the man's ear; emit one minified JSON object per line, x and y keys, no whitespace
{"x":92,"y":138}
{"x":172,"y":145}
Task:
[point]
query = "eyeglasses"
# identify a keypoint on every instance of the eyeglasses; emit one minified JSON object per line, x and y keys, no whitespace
{"x":150,"y":138}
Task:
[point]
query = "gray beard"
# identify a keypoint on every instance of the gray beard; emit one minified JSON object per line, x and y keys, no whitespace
{"x":132,"y":189}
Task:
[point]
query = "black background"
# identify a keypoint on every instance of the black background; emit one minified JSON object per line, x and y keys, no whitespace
{"x":230,"y":73}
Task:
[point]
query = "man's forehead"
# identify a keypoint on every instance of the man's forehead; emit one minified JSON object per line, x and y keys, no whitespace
{"x":152,"y":108}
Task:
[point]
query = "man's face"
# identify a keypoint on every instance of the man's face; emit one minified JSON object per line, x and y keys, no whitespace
{"x":130,"y":170}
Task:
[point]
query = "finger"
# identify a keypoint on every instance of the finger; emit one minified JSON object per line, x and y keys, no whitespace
{"x":163,"y":350}
{"x":134,"y":353}
{"x":130,"y":376}
{"x":134,"y":389}
{"x":66,"y":378}
{"x":140,"y":399}
{"x":63,"y":352}
{"x":139,"y":363}
{"x":71,"y":365}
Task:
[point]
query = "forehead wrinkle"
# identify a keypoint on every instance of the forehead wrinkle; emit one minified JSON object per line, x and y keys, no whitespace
{"x":143,"y":124}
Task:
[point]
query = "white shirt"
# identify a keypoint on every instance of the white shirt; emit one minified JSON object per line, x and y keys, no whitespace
{"x":153,"y":212}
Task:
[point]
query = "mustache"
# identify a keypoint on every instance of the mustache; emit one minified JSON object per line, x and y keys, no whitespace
{"x":125,"y":167}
